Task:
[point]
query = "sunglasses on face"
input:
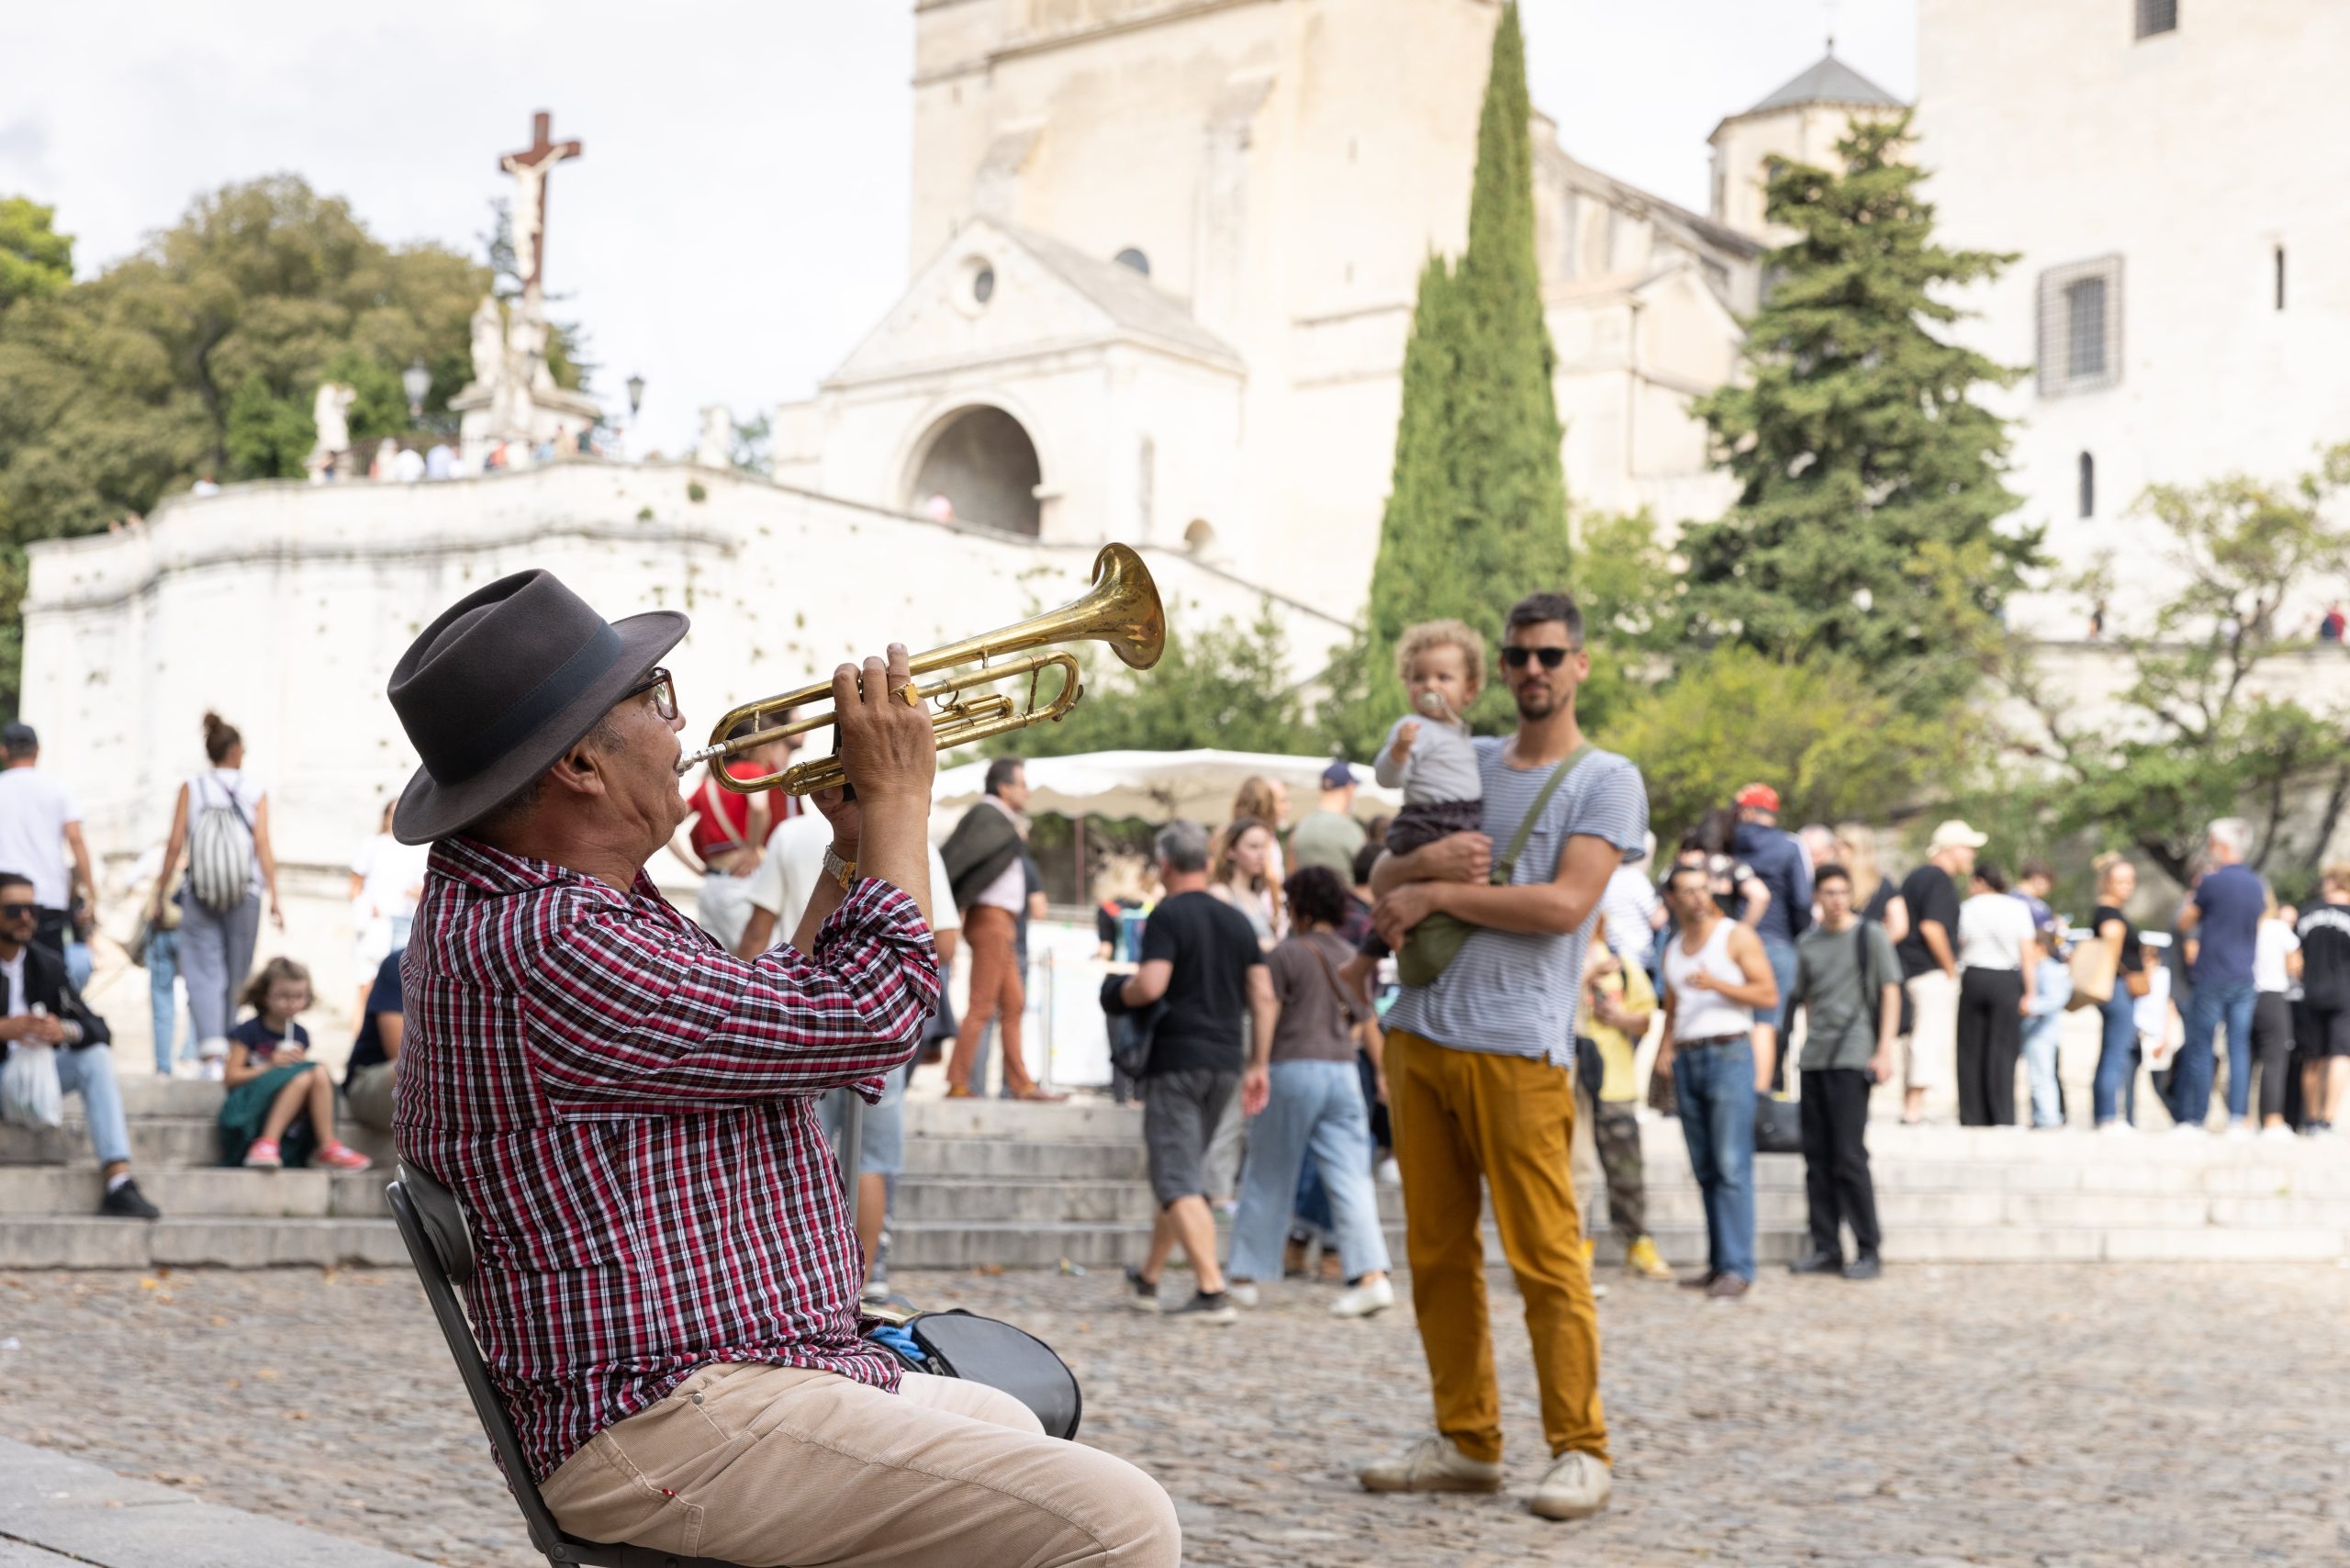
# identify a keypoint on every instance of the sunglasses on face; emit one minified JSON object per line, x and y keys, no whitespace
{"x":17,"y":911}
{"x":1551,"y":657}
{"x":663,"y":691}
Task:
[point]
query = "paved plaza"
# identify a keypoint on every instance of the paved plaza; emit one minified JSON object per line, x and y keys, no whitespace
{"x":2061,"y":1417}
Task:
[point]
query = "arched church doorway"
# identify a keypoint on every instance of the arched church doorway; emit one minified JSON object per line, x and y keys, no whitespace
{"x":982,"y":461}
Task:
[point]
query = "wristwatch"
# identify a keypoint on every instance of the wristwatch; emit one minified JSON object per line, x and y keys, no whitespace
{"x":839,"y":870}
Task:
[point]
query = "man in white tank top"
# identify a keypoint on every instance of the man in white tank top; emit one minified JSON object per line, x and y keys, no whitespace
{"x":1716,"y":976}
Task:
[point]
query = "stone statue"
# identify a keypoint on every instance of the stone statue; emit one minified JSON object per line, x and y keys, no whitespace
{"x":531,"y":168}
{"x":716,"y":449}
{"x":490,"y":342}
{"x":331,"y":412}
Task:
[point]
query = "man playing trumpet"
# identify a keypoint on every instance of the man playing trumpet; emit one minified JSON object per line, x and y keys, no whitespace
{"x":667,"y":1278}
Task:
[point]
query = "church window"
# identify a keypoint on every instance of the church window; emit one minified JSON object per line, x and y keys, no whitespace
{"x":2080,"y":327}
{"x":2157,"y":17}
{"x":983,"y":284}
{"x":2281,"y":277}
{"x":1133,"y":257}
{"x":2088,"y":485}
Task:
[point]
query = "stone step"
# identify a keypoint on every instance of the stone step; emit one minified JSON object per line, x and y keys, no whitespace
{"x":1082,"y":1119}
{"x":1089,"y":1160}
{"x":87,"y":1242}
{"x":156,"y":1142}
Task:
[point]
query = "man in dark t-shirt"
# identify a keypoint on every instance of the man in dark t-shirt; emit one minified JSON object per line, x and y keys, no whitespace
{"x":2325,"y":1002}
{"x":1928,"y":956}
{"x":375,"y":1054}
{"x":1200,"y":958}
{"x":2223,"y":916}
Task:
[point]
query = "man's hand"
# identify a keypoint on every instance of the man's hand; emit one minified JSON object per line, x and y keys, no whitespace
{"x":888,"y":747}
{"x":32,"y":1029}
{"x":1701,"y":980}
{"x":1379,"y":1086}
{"x":1256,"y":1089}
{"x":1458,"y":857}
{"x":1881,"y":1067}
{"x":1405,"y":733}
{"x":1400,"y":909}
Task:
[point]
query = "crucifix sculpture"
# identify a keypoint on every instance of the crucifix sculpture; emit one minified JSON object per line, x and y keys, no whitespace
{"x":530,"y":168}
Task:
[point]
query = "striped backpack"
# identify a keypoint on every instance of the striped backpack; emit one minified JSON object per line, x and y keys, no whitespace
{"x":220,"y":852}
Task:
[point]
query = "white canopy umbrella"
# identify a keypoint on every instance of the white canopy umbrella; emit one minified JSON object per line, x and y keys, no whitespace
{"x":1158,"y":786}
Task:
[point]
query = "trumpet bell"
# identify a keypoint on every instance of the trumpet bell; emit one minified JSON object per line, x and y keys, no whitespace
{"x":1123,"y":610}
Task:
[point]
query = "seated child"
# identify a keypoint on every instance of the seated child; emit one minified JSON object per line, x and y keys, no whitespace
{"x":1430,"y":756}
{"x":273,"y":1082}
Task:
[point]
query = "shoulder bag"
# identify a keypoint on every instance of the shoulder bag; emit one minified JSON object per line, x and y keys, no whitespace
{"x":2091,"y":966}
{"x":1433,"y":944}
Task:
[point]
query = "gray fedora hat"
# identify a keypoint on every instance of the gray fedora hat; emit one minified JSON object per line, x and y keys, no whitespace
{"x":507,"y":679}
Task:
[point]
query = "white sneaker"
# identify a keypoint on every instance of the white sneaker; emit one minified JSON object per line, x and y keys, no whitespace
{"x":1242,"y":1292}
{"x":2239,"y":1131}
{"x":1361,"y":1301}
{"x":2187,"y":1130}
{"x":1431,"y":1465}
{"x":1390,"y":1173}
{"x":213,"y":1069}
{"x":2117,"y":1128}
{"x":1576,"y":1486}
{"x":2279,"y":1131}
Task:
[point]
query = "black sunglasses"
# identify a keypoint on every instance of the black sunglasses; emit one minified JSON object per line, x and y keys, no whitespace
{"x":11,"y":911}
{"x":1551,"y":657}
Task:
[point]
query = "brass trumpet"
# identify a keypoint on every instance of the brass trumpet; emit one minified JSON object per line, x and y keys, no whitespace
{"x":1122,"y":610}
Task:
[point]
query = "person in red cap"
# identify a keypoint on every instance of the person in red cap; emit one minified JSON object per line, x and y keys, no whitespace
{"x":1778,"y":858}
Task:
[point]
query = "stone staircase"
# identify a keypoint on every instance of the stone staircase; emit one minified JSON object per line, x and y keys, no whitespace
{"x":990,"y":1184}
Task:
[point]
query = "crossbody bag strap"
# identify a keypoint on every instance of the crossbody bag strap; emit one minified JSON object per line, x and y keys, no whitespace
{"x":234,"y":804}
{"x":1506,"y":867}
{"x":1338,"y":992}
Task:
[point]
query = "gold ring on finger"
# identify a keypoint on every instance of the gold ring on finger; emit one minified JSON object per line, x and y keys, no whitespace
{"x":908,"y":695}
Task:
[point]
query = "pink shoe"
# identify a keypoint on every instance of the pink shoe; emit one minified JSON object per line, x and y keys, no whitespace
{"x":262,"y":1155}
{"x":343,"y":1157}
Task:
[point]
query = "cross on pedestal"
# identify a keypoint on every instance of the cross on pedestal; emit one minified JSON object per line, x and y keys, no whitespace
{"x":530,"y":168}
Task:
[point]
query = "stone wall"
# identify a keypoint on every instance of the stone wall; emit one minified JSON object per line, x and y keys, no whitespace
{"x":284,"y":606}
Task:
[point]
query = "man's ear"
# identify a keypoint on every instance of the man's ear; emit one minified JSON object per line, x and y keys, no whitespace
{"x":579,"y":770}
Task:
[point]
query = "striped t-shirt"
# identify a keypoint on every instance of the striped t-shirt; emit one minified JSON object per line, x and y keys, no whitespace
{"x":1514,"y":993}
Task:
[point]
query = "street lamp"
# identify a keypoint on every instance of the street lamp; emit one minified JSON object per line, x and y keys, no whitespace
{"x":635,"y":395}
{"x":416,"y":381}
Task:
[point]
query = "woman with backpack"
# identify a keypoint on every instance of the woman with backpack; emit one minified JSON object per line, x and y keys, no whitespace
{"x":222,"y":819}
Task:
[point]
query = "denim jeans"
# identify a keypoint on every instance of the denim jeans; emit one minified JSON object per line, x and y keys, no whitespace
{"x":78,"y":964}
{"x":89,"y":1072}
{"x":1713,"y":1086}
{"x":2215,"y":1001}
{"x":2115,"y":1094}
{"x":162,"y":991}
{"x":1315,"y":1110}
{"x":2041,"y":1034}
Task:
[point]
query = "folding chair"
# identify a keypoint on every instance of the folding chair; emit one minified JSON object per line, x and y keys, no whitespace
{"x":434,"y":1228}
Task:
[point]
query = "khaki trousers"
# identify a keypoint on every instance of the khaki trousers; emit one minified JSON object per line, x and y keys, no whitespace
{"x":992,"y":937}
{"x":778,"y":1465}
{"x":1461,"y":1116}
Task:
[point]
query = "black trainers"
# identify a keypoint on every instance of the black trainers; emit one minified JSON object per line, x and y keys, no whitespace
{"x":1864,"y":1267}
{"x":126,"y":1202}
{"x":1205,"y":1309}
{"x":1817,"y":1263}
{"x":1146,"y":1292}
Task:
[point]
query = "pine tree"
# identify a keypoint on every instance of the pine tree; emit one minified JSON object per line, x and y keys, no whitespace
{"x":1870,"y":482}
{"x":1476,"y":513}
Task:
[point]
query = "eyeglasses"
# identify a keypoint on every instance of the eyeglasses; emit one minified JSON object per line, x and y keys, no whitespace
{"x":1551,"y":657}
{"x":18,"y":910}
{"x":664,"y":690}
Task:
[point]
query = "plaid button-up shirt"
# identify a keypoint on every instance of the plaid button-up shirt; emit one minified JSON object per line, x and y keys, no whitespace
{"x":625,"y":1110}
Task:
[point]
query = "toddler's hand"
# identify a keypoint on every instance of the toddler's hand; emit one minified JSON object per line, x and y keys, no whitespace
{"x":1405,"y":733}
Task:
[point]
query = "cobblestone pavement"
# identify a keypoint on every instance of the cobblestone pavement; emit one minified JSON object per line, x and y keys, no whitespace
{"x":2006,"y":1415}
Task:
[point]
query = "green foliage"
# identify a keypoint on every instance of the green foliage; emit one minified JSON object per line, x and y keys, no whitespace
{"x":1835,"y":748}
{"x":2213,"y":722}
{"x":695,"y":491}
{"x":1870,"y":482}
{"x":1476,"y":513}
{"x":1222,"y":686}
{"x":34,"y":260}
{"x":202,"y":353}
{"x":268,"y":437}
{"x":749,"y":451}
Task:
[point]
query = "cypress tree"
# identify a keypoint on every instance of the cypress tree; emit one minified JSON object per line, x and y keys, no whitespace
{"x":1477,"y":511}
{"x":1870,"y":482}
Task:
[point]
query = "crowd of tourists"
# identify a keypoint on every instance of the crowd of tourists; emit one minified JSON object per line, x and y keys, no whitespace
{"x":199,"y":926}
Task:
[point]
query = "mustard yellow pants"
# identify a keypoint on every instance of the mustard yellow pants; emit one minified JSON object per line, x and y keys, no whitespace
{"x":1459,"y":1116}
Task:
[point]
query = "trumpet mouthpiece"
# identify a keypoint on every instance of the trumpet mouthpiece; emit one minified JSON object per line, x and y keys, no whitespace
{"x":691,"y":760}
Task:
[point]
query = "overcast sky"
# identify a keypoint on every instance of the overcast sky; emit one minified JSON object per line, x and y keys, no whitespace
{"x":739,"y":219}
